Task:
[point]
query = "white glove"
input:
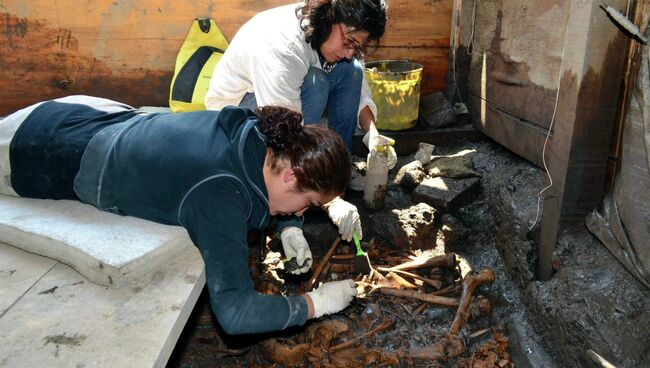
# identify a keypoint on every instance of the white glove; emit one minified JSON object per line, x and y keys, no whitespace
{"x":295,"y":245}
{"x":345,"y":216}
{"x":332,"y":297}
{"x":376,"y":142}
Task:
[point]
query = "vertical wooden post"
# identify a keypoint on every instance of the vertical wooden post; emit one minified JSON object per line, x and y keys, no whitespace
{"x":577,"y":154}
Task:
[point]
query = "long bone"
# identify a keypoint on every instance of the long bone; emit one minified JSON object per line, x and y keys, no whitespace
{"x":470,"y":282}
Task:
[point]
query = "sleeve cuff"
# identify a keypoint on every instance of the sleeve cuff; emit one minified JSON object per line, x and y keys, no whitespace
{"x":297,"y":311}
{"x":286,"y":221}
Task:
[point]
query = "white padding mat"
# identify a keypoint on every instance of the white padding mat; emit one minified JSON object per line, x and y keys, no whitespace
{"x":108,"y":249}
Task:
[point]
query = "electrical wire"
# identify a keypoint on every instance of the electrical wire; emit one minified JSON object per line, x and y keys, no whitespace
{"x":470,"y":44}
{"x":550,"y":129}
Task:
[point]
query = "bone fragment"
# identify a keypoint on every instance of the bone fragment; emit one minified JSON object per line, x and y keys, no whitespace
{"x":449,"y":260}
{"x":383,"y":326}
{"x":435,"y":283}
{"x":322,"y":263}
{"x":433,"y":299}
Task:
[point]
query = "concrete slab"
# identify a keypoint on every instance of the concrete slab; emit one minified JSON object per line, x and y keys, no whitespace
{"x":108,"y":249}
{"x":66,"y":321}
{"x":446,"y":194}
{"x":19,"y":271}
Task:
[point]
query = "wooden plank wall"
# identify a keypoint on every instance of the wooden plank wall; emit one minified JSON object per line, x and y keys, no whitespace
{"x":525,"y":55}
{"x":126,"y":50}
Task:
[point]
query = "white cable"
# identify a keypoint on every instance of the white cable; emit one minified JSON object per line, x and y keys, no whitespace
{"x":550,"y":128}
{"x":471,"y":36}
{"x":453,"y":65}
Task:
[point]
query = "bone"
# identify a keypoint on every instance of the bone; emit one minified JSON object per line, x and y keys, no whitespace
{"x":435,"y":283}
{"x":470,"y":283}
{"x":322,"y":263}
{"x":449,"y":260}
{"x":433,"y":299}
{"x":383,"y":326}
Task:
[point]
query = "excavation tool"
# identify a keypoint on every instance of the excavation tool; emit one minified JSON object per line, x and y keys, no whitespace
{"x":360,"y":262}
{"x":291,"y":264}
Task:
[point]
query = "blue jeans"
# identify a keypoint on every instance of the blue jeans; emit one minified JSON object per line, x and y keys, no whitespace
{"x":338,"y":91}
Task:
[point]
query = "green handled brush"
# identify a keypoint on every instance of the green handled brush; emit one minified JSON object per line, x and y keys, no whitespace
{"x":360,"y":263}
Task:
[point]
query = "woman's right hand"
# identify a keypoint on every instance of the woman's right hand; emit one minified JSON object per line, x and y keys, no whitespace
{"x":332,"y":297}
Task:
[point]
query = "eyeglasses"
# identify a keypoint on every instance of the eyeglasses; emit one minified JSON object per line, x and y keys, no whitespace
{"x":352,"y":44}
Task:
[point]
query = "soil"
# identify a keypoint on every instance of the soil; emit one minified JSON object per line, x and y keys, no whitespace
{"x":591,"y":303}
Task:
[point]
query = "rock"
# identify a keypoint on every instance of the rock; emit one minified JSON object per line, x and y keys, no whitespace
{"x":436,"y":111}
{"x":451,"y":229}
{"x":446,"y":194}
{"x":414,"y":227}
{"x":410,"y":175}
{"x":424,"y":153}
{"x":452,"y":167}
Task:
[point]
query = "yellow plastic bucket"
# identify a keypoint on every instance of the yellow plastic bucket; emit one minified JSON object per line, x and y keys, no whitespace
{"x":395,"y":86}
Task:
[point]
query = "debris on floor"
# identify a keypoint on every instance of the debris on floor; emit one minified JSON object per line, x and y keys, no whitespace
{"x":412,"y":306}
{"x":514,"y":321}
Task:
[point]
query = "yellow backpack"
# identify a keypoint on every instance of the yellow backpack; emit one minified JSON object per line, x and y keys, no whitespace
{"x":201,"y":50}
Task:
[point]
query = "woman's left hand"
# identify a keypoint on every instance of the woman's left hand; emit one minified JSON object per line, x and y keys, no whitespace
{"x":345,"y":216}
{"x":295,"y":245}
{"x":377,"y":142}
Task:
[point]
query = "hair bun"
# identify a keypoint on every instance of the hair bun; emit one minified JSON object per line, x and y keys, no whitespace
{"x":280,"y":125}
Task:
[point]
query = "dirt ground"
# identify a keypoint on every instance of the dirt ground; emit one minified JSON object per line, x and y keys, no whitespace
{"x":591,"y":302}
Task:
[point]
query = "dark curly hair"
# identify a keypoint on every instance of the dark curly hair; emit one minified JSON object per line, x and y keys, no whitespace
{"x":318,"y":155}
{"x":317,"y":16}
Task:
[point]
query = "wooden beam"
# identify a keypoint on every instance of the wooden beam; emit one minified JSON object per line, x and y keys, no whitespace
{"x":640,"y":17}
{"x":548,"y":68}
{"x":584,"y":122}
{"x":127,"y":51}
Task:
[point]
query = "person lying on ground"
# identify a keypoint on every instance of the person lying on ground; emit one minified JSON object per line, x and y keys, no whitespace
{"x":309,"y":57}
{"x":217,"y":174}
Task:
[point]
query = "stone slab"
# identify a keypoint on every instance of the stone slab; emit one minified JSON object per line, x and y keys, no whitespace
{"x":19,"y":271}
{"x":446,"y":194}
{"x":108,"y":249}
{"x":64,"y":320}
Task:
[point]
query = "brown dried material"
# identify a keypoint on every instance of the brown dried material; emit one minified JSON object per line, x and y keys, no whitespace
{"x":480,"y":307}
{"x":370,"y":316}
{"x":335,"y":326}
{"x":435,"y":352}
{"x":454,"y":345}
{"x":448,"y":346}
{"x":492,"y":353}
{"x":283,"y":351}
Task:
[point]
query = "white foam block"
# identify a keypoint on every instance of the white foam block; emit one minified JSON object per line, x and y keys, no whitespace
{"x":62,"y":320}
{"x":108,"y":249}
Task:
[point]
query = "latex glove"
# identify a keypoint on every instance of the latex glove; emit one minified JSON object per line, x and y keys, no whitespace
{"x":295,"y":245}
{"x":345,"y":216}
{"x":376,"y":142}
{"x":332,"y":297}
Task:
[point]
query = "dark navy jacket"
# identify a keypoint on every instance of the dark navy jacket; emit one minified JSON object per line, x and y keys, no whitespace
{"x":200,"y":170}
